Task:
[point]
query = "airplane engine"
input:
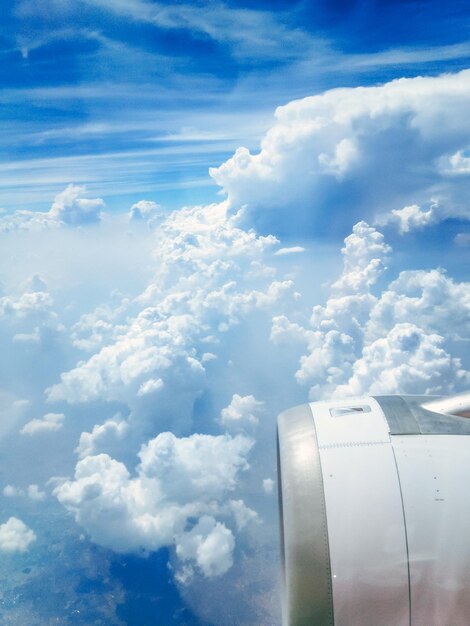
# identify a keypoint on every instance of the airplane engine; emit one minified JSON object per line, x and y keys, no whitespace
{"x":374,"y":497}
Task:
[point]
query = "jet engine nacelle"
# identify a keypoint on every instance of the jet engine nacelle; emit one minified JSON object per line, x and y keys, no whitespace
{"x":375,"y":512}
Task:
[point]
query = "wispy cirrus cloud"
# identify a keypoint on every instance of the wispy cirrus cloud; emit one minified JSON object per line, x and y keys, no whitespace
{"x":251,"y":34}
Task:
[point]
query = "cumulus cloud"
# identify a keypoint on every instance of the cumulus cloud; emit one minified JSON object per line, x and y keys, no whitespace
{"x":407,"y":360}
{"x":29,"y":304}
{"x":144,"y":210}
{"x":268,"y":486}
{"x":96,"y":328}
{"x":180,"y":486}
{"x":334,"y":337}
{"x":103,"y":437}
{"x":211,"y":274}
{"x":243,"y":514}
{"x":415,"y":217}
{"x":210,"y":544}
{"x":32,"y":491}
{"x":150,"y":386}
{"x":15,"y":536}
{"x":35,"y":493}
{"x":364,"y":256}
{"x":325,"y":157}
{"x":50,"y":423}
{"x":69,"y":208}
{"x":154,"y":353}
{"x":169,"y":351}
{"x":412,"y":217}
{"x":426,"y":297}
{"x":459,"y":163}
{"x":242,"y":412}
{"x":394,"y":341}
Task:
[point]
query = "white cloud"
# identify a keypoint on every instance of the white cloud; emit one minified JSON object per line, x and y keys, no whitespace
{"x":177,"y":480}
{"x":29,"y":304}
{"x":93,"y":330}
{"x":35,"y":493}
{"x":50,"y":423}
{"x":268,"y":486}
{"x":429,"y":298}
{"x":344,"y":156}
{"x":251,"y":34}
{"x":364,"y":256}
{"x":334,"y":337}
{"x":150,"y":386}
{"x":415,"y":217}
{"x":211,"y":274}
{"x":210,"y":544}
{"x":32,"y":491}
{"x":15,"y":536}
{"x":397,"y":341}
{"x":144,"y":210}
{"x":406,"y":360}
{"x":69,"y":208}
{"x":196,"y":466}
{"x":243,"y":515}
{"x":103,"y":437}
{"x":290,"y":250}
{"x":199,"y":331}
{"x":459,"y":163}
{"x":242,"y":412}
{"x":326,"y":154}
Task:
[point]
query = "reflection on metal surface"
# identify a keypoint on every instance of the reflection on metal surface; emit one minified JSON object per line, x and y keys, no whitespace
{"x":304,"y":534}
{"x":375,"y":512}
{"x":415,"y":415}
{"x":454,"y":405}
{"x":433,"y":473}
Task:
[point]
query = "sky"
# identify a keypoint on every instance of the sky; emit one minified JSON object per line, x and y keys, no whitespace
{"x":210,"y":212}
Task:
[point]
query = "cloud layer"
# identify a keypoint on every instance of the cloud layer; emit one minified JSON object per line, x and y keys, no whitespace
{"x":155,"y":366}
{"x":181,"y":485}
{"x":210,"y":275}
{"x":69,"y":208}
{"x":396,"y":340}
{"x":359,"y":152}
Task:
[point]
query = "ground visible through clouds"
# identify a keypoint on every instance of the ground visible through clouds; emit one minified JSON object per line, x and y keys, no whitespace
{"x":145,"y":353}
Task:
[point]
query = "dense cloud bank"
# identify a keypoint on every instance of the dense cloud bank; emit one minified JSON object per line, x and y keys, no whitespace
{"x":393,"y":341}
{"x":148,"y":384}
{"x":395,"y":153}
{"x":178,"y":480}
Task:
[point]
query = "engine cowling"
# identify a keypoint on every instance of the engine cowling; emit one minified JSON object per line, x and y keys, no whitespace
{"x":375,"y":512}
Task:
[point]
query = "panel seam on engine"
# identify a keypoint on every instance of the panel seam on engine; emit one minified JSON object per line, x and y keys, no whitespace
{"x":406,"y":533}
{"x":353,"y":444}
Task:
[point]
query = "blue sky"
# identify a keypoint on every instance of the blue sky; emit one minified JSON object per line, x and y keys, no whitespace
{"x":140,"y":97}
{"x":210,"y":212}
